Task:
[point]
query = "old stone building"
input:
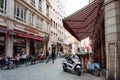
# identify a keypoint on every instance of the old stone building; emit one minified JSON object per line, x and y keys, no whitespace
{"x":23,"y":26}
{"x":112,"y":38}
{"x":100,"y":20}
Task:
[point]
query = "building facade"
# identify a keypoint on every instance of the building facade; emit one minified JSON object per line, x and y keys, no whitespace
{"x":110,"y":39}
{"x":58,"y":35}
{"x":24,"y":25}
{"x":74,"y":44}
{"x":112,"y":31}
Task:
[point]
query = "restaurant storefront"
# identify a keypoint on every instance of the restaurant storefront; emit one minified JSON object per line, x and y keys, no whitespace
{"x":19,"y":45}
{"x":32,"y":47}
{"x":33,"y":42}
{"x":36,"y":47}
{"x":3,"y":40}
{"x":39,"y":47}
{"x":14,"y":42}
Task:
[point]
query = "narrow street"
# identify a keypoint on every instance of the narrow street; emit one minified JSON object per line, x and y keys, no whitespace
{"x":43,"y":71}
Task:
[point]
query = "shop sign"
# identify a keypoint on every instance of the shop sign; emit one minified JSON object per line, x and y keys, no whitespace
{"x":32,"y":30}
{"x":21,"y":40}
{"x":18,"y":40}
{"x":3,"y":31}
{"x":12,"y":33}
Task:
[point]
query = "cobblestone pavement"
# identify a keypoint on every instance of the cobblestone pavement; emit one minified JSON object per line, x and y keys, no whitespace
{"x":43,"y":71}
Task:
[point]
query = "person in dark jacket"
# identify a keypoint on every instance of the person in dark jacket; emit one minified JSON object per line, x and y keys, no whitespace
{"x":53,"y":57}
{"x":47,"y":56}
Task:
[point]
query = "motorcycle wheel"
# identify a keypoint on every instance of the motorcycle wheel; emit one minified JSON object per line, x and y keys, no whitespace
{"x":97,"y":72}
{"x":78,"y":72}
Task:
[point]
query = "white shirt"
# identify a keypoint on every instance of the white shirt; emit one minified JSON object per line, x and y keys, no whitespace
{"x":24,"y":56}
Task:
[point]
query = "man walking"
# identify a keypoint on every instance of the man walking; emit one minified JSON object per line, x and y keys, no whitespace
{"x":53,"y":57}
{"x":47,"y":56}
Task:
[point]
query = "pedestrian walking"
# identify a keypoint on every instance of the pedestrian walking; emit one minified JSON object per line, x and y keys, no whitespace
{"x":53,"y":57}
{"x":47,"y":56}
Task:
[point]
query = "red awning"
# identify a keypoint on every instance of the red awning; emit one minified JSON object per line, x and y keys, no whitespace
{"x":36,"y":37}
{"x":18,"y":33}
{"x":82,"y":23}
{"x":4,"y":30}
{"x":22,"y":34}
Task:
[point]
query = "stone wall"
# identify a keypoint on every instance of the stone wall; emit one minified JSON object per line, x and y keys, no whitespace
{"x":112,"y":31}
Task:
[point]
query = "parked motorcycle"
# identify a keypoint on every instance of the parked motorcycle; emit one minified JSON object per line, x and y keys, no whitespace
{"x":71,"y":64}
{"x":93,"y":68}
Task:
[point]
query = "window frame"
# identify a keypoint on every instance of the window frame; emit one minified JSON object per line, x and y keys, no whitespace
{"x":3,"y":10}
{"x":39,"y":22}
{"x":19,"y":12}
{"x":31,"y":17}
{"x":32,"y":2}
{"x":47,"y":10}
{"x":40,"y":4}
{"x":47,"y":27}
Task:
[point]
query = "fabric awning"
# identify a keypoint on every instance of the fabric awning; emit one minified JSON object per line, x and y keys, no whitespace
{"x":82,"y":23}
{"x":36,"y":37}
{"x":4,"y":30}
{"x":21,"y":34}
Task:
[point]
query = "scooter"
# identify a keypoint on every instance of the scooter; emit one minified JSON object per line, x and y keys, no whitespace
{"x":93,"y":68}
{"x":72,"y":64}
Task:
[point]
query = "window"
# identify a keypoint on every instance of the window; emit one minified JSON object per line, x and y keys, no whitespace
{"x":31,"y":18}
{"x":47,"y":27}
{"x":47,"y":12}
{"x":33,"y":1}
{"x":3,"y":6}
{"x":20,"y":13}
{"x":40,"y":4}
{"x":39,"y":22}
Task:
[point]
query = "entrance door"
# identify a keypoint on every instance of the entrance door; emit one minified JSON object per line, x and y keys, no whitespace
{"x":2,"y":44}
{"x":32,"y":48}
{"x":2,"y":49}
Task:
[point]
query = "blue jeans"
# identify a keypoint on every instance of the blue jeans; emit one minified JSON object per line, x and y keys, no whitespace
{"x":47,"y":59}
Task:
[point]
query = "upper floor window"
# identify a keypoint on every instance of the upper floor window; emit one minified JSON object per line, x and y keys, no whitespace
{"x":39,"y":23}
{"x":33,"y":1}
{"x":47,"y":11}
{"x":20,"y":12}
{"x":31,"y":19}
{"x":47,"y":27}
{"x":3,"y":6}
{"x":40,"y":4}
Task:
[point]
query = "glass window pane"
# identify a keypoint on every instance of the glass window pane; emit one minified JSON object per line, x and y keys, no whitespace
{"x":33,"y":1}
{"x":18,"y":10}
{"x":5,"y":4}
{"x":40,"y":3}
{"x":37,"y":22}
{"x":47,"y":13}
{"x":22,"y":13}
{"x":32,"y":18}
{"x":1,"y":3}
